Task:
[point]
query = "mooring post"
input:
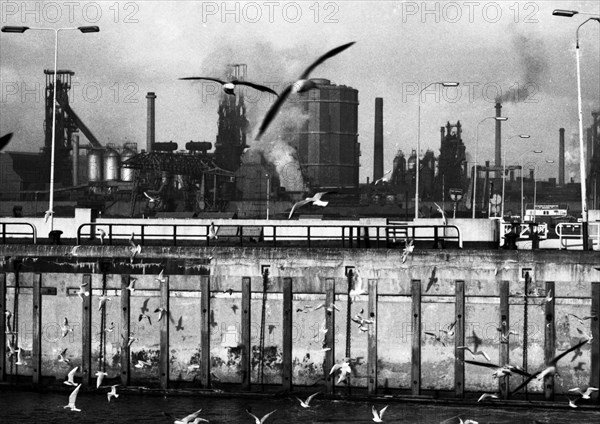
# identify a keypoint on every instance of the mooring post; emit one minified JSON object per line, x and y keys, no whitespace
{"x":459,"y":339}
{"x":205,"y":331}
{"x":330,"y":335}
{"x":287,"y":334}
{"x":36,"y":349}
{"x":86,"y":332}
{"x":3,"y":309}
{"x":503,"y":382}
{"x":416,"y":337}
{"x":125,"y":331}
{"x":164,"y":334}
{"x":372,"y":338}
{"x":595,"y":323}
{"x":549,"y":340}
{"x":246,"y":360}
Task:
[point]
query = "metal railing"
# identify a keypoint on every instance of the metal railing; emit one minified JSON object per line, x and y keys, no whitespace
{"x":572,"y":231}
{"x":345,"y":236}
{"x":5,"y":229}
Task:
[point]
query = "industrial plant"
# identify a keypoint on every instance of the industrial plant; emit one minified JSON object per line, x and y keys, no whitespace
{"x":320,"y":151}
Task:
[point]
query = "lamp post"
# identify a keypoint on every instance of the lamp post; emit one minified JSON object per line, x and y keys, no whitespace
{"x":504,"y":169}
{"x":534,"y":187}
{"x":474,"y":197}
{"x":443,"y":84}
{"x":268,"y":193}
{"x":584,"y":211}
{"x":20,"y":30}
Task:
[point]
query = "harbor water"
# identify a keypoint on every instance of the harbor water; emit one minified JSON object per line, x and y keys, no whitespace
{"x":31,"y":407}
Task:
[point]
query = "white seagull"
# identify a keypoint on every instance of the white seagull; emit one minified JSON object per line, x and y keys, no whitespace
{"x":343,"y":368}
{"x":263,"y":419}
{"x":384,"y":178}
{"x":70,"y":376}
{"x":306,"y":403}
{"x":581,"y":319}
{"x":131,"y":285}
{"x":586,"y":394}
{"x":487,"y":396}
{"x":103,"y":299}
{"x":82,"y":291}
{"x":72,"y":399}
{"x":302,"y":85}
{"x":66,"y":329}
{"x":142,"y":364}
{"x":378,"y":417}
{"x":192,"y":418}
{"x":160,"y":278}
{"x":329,"y":308}
{"x":113,"y":392}
{"x":229,"y":86}
{"x":62,"y":357}
{"x":161,"y":312}
{"x":99,"y":377}
{"x":475,"y":353}
{"x":408,"y":249}
{"x":315,"y":200}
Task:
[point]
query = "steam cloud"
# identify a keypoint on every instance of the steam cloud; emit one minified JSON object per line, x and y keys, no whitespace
{"x":572,"y":156}
{"x":531,"y":52}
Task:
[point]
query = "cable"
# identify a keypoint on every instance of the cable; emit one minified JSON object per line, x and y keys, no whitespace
{"x":261,"y":364}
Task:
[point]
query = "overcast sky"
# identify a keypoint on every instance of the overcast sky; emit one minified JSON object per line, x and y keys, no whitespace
{"x":146,"y":46}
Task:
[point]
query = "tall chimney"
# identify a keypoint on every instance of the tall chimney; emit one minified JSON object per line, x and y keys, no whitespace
{"x":498,"y":158}
{"x":75,"y":145}
{"x":442,"y":135}
{"x":151,"y":125}
{"x":561,"y":157}
{"x":378,"y":140}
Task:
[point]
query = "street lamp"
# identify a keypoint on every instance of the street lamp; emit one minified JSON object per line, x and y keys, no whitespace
{"x":20,"y":30}
{"x":504,"y":168}
{"x":474,"y":197}
{"x":534,"y":187}
{"x":584,"y":211}
{"x":268,"y":193}
{"x":443,"y":84}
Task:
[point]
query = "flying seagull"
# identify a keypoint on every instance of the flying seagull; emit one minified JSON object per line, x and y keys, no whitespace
{"x":131,"y":286}
{"x":378,"y":417}
{"x":263,"y":419}
{"x":113,"y":392}
{"x":99,"y":377}
{"x":82,"y":291}
{"x":69,"y":381}
{"x":384,"y":179}
{"x":228,"y":86}
{"x":62,"y":357}
{"x":66,"y":328}
{"x":315,"y":200}
{"x":72,"y":399}
{"x":102,"y":235}
{"x":188,"y":419}
{"x":4,"y":140}
{"x":306,"y":403}
{"x":300,"y":86}
{"x":586,"y":394}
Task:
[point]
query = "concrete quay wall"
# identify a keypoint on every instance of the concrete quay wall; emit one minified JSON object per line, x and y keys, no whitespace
{"x":390,"y":354}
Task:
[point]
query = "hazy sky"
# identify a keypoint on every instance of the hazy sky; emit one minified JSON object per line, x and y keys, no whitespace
{"x":400,"y":46}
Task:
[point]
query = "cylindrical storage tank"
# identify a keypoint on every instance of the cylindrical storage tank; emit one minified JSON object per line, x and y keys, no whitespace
{"x":127,"y":173}
{"x":95,"y":165}
{"x":112,"y":165}
{"x":412,"y":161}
{"x":327,"y":142}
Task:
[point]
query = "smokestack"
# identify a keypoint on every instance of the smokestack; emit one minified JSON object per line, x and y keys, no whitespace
{"x":561,"y":157}
{"x":75,"y":145}
{"x":151,"y":125}
{"x":442,"y":135}
{"x":378,"y":140}
{"x":498,"y":158}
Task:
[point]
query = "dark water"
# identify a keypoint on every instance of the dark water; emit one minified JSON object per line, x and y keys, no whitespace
{"x":25,"y":407}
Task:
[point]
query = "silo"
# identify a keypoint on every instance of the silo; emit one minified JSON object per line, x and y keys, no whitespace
{"x":129,"y":151}
{"x":328,"y":148}
{"x":112,"y":164}
{"x":95,"y":165}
